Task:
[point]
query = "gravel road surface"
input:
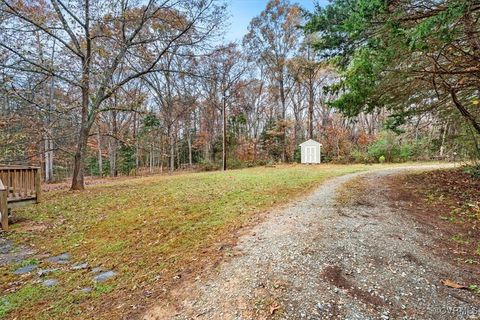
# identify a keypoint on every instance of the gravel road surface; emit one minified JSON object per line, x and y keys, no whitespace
{"x":318,"y":259}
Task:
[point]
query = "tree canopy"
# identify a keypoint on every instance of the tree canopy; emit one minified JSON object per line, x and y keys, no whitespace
{"x":409,"y":56}
{"x":96,"y":87}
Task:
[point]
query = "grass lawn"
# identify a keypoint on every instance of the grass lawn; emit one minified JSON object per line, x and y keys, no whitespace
{"x":147,"y":230}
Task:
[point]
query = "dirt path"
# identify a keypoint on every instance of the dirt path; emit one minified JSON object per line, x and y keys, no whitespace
{"x":319,"y":260}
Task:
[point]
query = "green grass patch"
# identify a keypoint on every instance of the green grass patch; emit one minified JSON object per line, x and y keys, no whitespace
{"x":458,"y":238}
{"x":27,"y":296}
{"x":474,"y":288}
{"x":24,"y":263}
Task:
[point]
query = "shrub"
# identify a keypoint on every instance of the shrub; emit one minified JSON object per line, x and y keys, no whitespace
{"x":126,"y":159}
{"x":386,"y":145}
{"x":342,"y":159}
{"x":406,"y":151}
{"x":235,"y":164}
{"x":391,"y":147}
{"x":381,"y":159}
{"x":255,"y":163}
{"x":297,"y":155}
{"x":474,"y":171}
{"x":209,"y":166}
{"x":91,"y":167}
{"x":326,"y":158}
{"x":359,"y":156}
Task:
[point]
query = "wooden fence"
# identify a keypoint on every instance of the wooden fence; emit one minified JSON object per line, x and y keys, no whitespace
{"x":19,"y":185}
{"x":3,"y":206}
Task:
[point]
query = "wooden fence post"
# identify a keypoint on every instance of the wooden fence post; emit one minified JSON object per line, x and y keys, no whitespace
{"x":4,"y":206}
{"x":38,"y":185}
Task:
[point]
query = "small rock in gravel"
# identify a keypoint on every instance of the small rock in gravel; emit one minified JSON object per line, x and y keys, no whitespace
{"x":85,"y":289}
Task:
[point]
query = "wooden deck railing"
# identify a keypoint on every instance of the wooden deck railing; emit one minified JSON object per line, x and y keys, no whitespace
{"x":19,"y":185}
{"x":3,"y":206}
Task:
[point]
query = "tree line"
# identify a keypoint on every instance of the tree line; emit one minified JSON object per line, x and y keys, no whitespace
{"x":116,"y":87}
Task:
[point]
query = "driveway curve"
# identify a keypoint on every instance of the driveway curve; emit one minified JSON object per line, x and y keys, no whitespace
{"x":318,"y":259}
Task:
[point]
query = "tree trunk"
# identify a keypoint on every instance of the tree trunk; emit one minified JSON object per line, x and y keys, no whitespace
{"x":48,"y":138}
{"x":150,"y":158}
{"x":475,"y":142}
{"x":311,"y":93}
{"x":162,"y":153}
{"x":78,"y":180}
{"x":311,"y":103}
{"x":444,"y":134}
{"x":417,"y":125}
{"x":135,"y":137}
{"x":297,"y":128}
{"x":114,"y":145}
{"x":177,"y":151}
{"x":465,"y":113}
{"x":51,"y":159}
{"x":284,"y":112}
{"x":224,"y":140}
{"x":81,"y":149}
{"x":172,"y":150}
{"x":189,"y":141}
{"x":100,"y":160}
{"x":48,"y":159}
{"x":172,"y":157}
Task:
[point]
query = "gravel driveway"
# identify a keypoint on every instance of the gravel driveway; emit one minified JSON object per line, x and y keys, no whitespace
{"x":316,"y":259}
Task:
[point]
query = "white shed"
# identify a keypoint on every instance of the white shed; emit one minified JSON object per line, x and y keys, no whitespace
{"x":311,"y":151}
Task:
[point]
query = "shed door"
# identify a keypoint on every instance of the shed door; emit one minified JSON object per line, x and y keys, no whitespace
{"x":310,"y":155}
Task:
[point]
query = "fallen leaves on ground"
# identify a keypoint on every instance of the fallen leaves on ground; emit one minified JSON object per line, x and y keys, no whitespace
{"x":274,"y":307}
{"x":453,"y":284}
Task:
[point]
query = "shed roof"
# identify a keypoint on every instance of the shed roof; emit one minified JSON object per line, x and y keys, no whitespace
{"x":311,"y":142}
